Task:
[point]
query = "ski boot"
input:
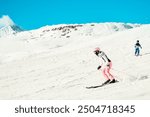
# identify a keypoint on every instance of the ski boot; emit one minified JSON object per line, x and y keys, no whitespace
{"x":113,"y":81}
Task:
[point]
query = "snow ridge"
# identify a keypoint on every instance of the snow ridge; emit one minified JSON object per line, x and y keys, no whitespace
{"x":71,"y":30}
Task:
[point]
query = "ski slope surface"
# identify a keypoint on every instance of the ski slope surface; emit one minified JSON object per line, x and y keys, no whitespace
{"x":57,"y":62}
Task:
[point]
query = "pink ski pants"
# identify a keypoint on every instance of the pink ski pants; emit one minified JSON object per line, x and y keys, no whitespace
{"x":106,"y":71}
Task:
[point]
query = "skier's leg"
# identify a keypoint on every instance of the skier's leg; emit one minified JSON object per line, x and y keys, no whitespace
{"x":104,"y":74}
{"x":108,"y":71}
{"x":138,"y":51}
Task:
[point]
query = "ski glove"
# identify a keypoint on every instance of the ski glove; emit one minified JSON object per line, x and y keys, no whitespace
{"x":98,"y":67}
{"x":108,"y":65}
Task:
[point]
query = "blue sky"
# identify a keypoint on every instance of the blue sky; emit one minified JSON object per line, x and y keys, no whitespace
{"x":32,"y":14}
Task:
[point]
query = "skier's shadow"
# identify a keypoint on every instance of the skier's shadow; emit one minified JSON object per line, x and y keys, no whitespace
{"x":148,"y":53}
{"x":143,"y":77}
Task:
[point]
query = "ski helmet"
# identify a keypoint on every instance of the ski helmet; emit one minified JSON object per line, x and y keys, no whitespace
{"x":97,"y":49}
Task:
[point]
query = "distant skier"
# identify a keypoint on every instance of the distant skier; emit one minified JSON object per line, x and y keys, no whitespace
{"x":137,"y":48}
{"x":105,"y":66}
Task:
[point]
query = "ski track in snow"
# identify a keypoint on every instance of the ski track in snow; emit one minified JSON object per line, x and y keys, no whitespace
{"x":61,"y":68}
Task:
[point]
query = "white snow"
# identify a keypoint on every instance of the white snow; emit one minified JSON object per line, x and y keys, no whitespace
{"x":58,"y":63}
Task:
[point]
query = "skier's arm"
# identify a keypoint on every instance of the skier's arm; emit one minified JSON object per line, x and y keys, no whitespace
{"x":140,"y":46}
{"x":100,"y":66}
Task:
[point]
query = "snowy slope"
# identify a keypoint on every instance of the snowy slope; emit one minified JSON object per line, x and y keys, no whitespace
{"x":57,"y":62}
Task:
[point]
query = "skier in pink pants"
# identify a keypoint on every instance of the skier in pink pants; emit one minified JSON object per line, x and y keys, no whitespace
{"x":105,"y":66}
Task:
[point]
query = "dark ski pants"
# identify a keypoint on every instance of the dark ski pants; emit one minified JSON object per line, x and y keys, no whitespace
{"x":137,"y":52}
